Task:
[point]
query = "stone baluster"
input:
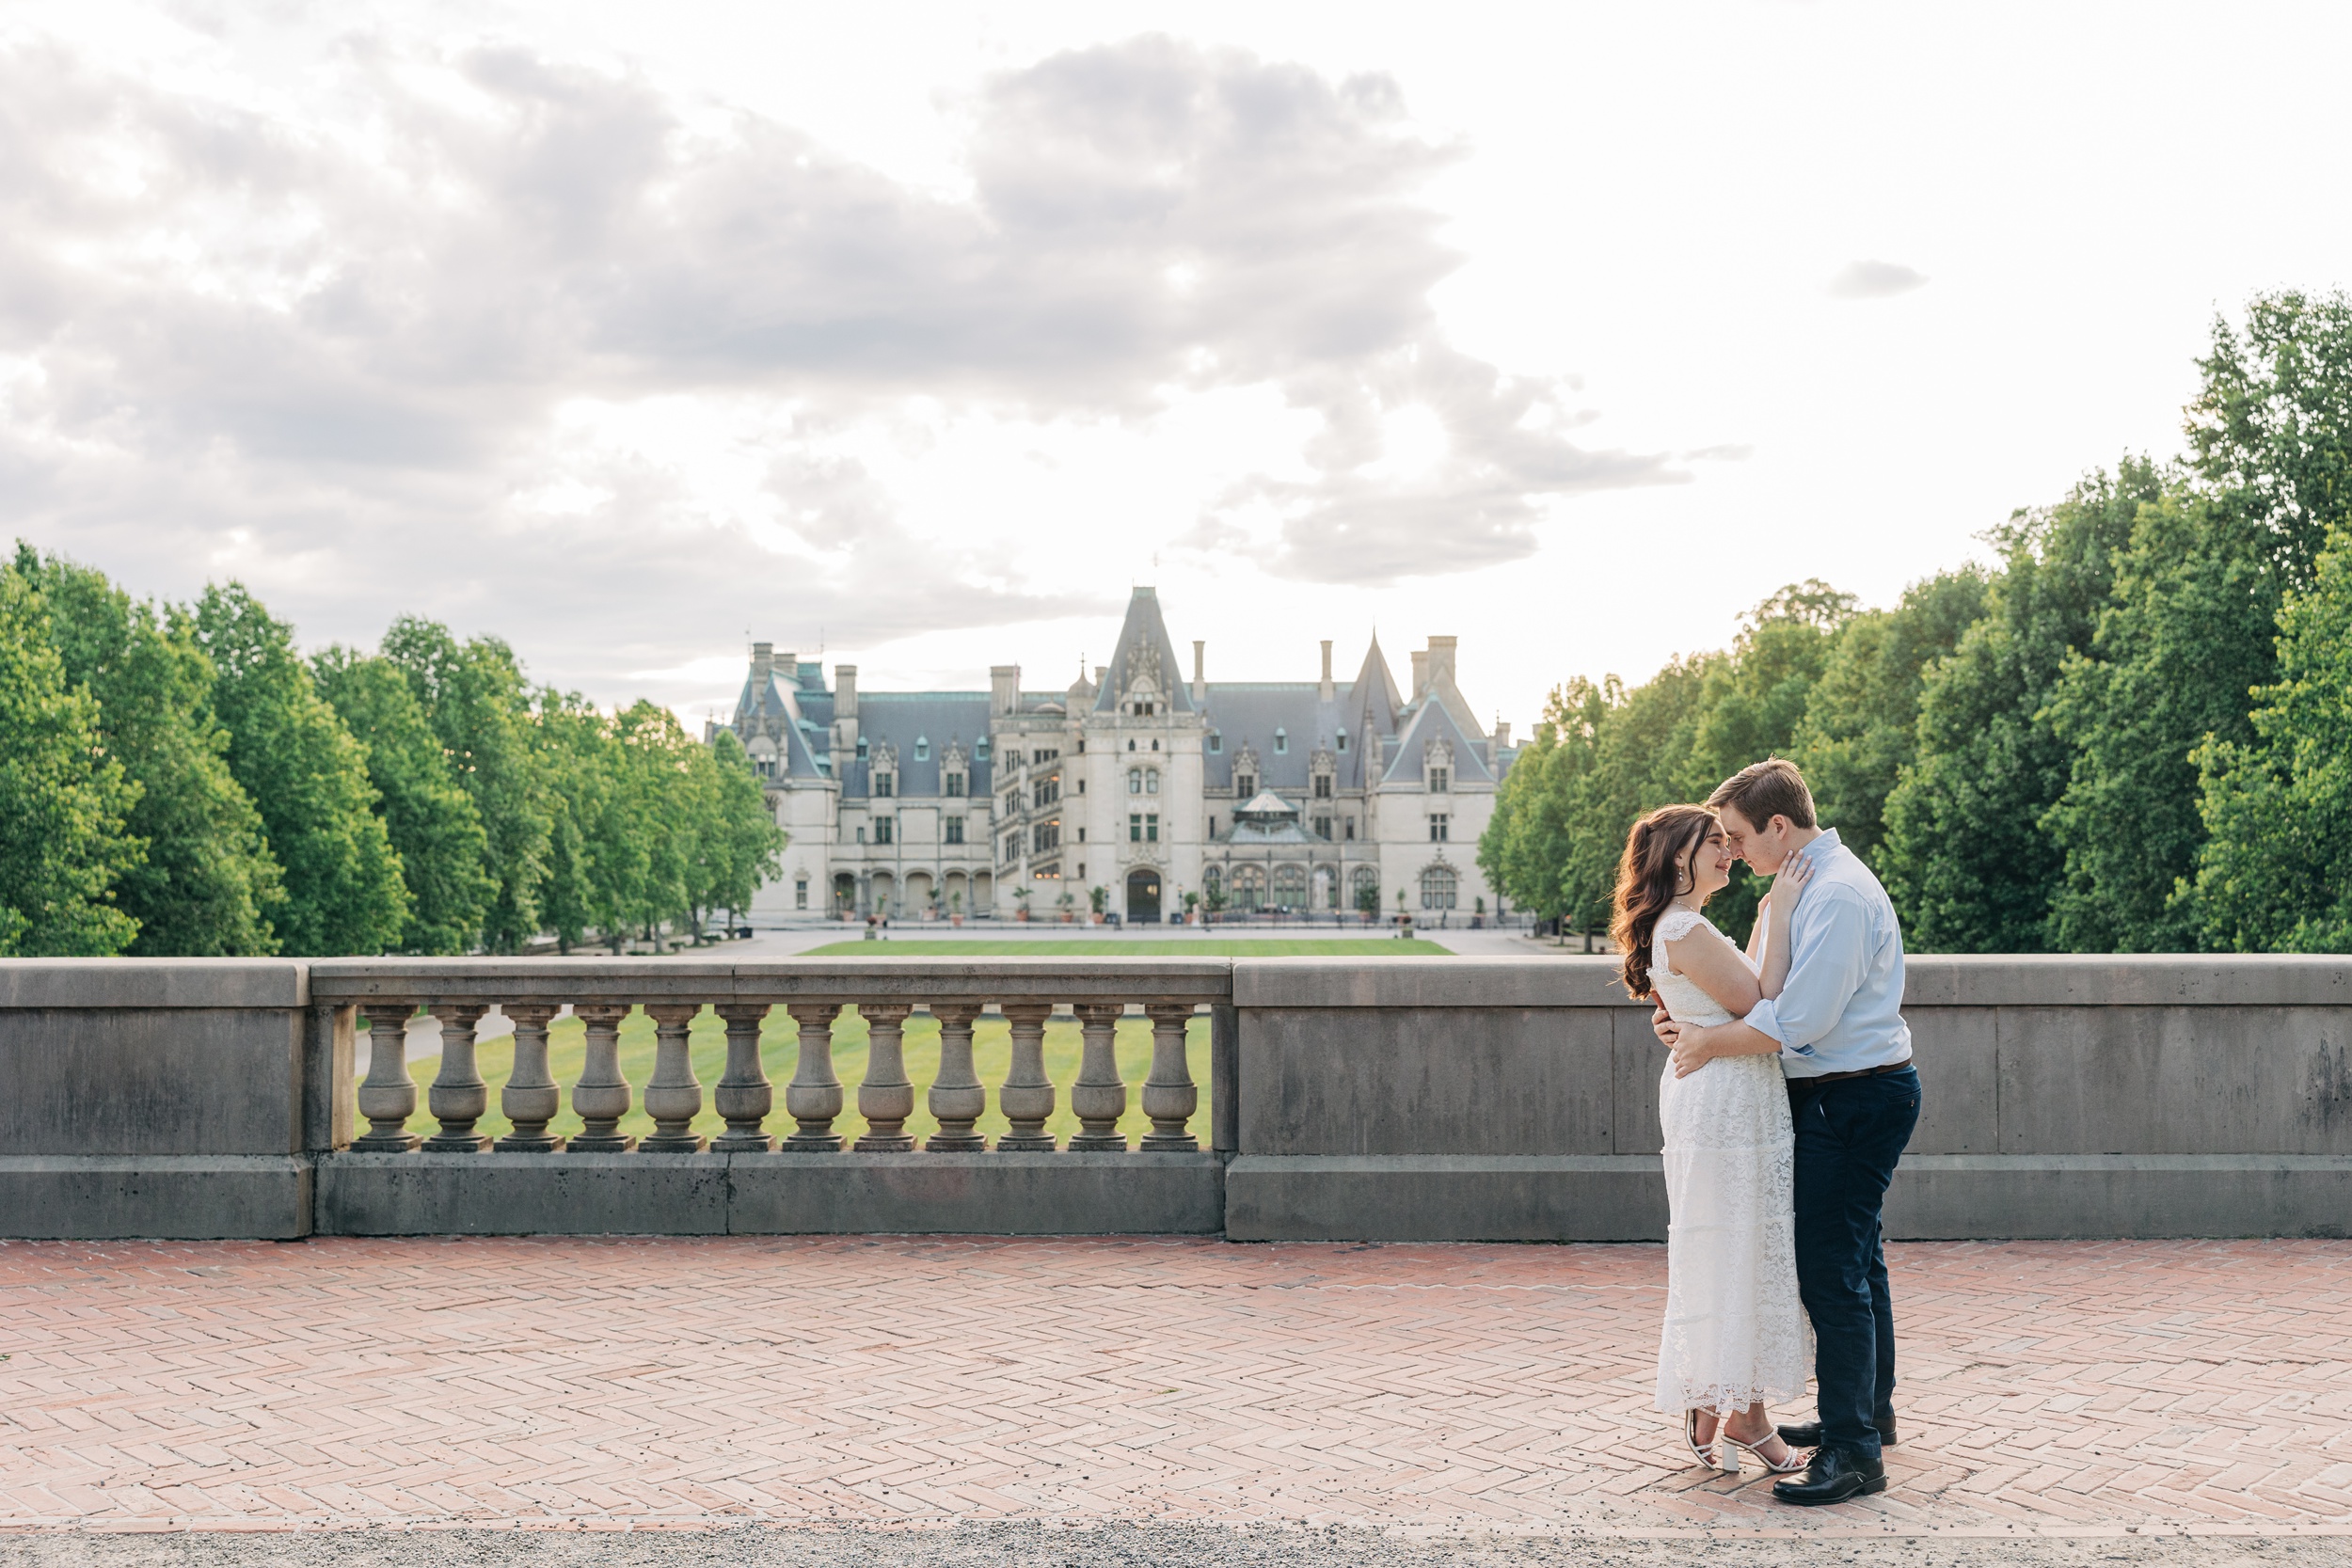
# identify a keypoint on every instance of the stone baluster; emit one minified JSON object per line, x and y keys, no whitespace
{"x":743,"y":1096}
{"x":388,"y":1097}
{"x":601,"y":1098}
{"x":531,"y":1098}
{"x":1168,"y":1096}
{"x":458,"y":1097}
{"x":957,"y":1099}
{"x":1027,"y":1096}
{"x":813,"y":1098}
{"x":673,"y":1098}
{"x":886,"y":1098}
{"x":1099,"y":1096}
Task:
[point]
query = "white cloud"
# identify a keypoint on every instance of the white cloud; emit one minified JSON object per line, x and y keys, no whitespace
{"x":1875,"y":280}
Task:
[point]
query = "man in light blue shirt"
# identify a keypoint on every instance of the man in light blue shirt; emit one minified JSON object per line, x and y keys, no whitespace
{"x":1838,"y":1028}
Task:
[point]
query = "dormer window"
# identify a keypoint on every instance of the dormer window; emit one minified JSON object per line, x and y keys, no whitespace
{"x":885,"y":786}
{"x":980,"y":749}
{"x":1243,"y":787}
{"x":861,"y":748}
{"x":1216,"y":742}
{"x":1281,"y":742}
{"x":1342,"y":740}
{"x":1437,"y":781}
{"x":953,"y":784}
{"x":1436,"y":761}
{"x":922,"y":749}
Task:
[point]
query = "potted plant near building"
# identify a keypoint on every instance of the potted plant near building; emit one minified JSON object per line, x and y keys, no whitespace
{"x":1020,"y":904}
{"x":955,"y":908}
{"x":1212,"y":902}
{"x":1067,"y":903}
{"x":1192,"y":909}
{"x":1097,"y":900}
{"x":1368,"y":902}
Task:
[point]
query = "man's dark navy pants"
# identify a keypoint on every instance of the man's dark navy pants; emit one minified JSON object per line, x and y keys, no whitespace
{"x":1850,"y":1134}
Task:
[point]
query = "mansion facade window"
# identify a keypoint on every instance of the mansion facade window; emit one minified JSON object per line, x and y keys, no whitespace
{"x":1437,"y":888}
{"x":1439,"y":826}
{"x":1045,"y":836}
{"x":954,"y":828}
{"x":881,"y":829}
{"x":1364,"y":888}
{"x":1143,"y":827}
{"x":954,"y":786}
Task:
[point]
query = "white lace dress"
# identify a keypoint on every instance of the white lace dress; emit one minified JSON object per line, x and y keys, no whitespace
{"x":1735,"y":1331}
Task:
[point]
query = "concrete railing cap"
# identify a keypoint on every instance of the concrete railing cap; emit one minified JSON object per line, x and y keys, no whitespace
{"x":154,"y":983}
{"x":879,"y":979}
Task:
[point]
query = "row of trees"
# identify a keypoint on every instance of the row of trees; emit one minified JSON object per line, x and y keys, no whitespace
{"x":2131,"y":734}
{"x":179,"y":780}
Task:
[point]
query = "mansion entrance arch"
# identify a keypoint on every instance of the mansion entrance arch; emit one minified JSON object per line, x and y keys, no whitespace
{"x":1143,"y":896}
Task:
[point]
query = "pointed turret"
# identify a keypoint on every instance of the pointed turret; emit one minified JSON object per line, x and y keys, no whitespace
{"x":1144,"y":661}
{"x":1376,"y":698}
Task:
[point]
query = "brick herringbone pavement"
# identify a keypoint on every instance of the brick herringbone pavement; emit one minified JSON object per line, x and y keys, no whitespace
{"x":2048,"y":1386}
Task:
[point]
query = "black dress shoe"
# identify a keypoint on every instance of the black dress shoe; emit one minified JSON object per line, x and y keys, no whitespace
{"x":1807,"y":1435}
{"x":1833,"y":1477}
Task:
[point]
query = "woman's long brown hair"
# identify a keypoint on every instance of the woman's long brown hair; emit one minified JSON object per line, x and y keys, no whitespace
{"x":1657,"y":865}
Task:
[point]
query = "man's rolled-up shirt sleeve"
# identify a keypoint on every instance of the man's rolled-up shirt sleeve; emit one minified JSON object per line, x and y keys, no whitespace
{"x":1826,"y":970}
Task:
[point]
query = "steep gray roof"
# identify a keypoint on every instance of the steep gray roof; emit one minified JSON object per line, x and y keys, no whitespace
{"x":1249,"y":712}
{"x":916,"y":721}
{"x":1432,"y":721}
{"x":1143,"y":638}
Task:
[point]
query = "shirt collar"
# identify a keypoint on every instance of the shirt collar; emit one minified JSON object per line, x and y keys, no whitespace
{"x":1822,"y":848}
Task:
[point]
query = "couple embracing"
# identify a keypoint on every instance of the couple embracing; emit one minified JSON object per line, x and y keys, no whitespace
{"x":1787,"y":1100}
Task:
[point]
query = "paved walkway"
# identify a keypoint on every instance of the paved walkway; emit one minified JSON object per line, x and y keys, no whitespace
{"x":2050,"y":1389}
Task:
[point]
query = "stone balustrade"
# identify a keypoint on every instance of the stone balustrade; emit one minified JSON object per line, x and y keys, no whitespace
{"x":1405,"y":1098}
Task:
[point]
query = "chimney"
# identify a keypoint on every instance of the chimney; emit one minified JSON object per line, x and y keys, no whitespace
{"x":763,"y":661}
{"x":1200,"y":680}
{"x":1420,"y":674}
{"x":1502,"y":735}
{"x":1441,"y":661}
{"x":845,"y":691}
{"x":1004,"y":688}
{"x":1327,"y":692}
{"x":789,"y":667}
{"x":1101,"y":674}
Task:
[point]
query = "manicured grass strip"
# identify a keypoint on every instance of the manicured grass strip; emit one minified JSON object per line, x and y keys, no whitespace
{"x":779,"y":1049}
{"x":1200,"y":947}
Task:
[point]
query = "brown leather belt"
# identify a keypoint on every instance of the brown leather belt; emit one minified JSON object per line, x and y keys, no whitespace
{"x":1863,"y":1072}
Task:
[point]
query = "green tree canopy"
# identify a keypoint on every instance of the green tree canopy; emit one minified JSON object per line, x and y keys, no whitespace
{"x":64,"y":845}
{"x":208,"y":883}
{"x":2275,"y":873}
{"x":430,"y":819}
{"x":1966,"y":857}
{"x":740,"y":846}
{"x":474,"y":696}
{"x":310,"y":779}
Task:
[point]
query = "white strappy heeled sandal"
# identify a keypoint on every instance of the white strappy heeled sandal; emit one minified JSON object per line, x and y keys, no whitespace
{"x":1691,"y":1440}
{"x":1732,"y":1449}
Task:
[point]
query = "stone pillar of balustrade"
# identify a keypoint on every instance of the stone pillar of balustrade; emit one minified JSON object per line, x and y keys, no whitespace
{"x":531,"y":1098}
{"x":957,"y":1099}
{"x":1169,"y":1095}
{"x":458,"y":1097}
{"x":1099,"y":1098}
{"x":673,"y":1098}
{"x":387,"y":1098}
{"x":744,"y":1096}
{"x":1027,"y":1096}
{"x":600,"y":1098}
{"x":886,"y":1098}
{"x":813,"y":1098}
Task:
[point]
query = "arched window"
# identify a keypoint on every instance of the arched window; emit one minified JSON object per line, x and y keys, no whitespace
{"x":1289,"y":887}
{"x":1135,"y":781}
{"x":1364,"y":880}
{"x":1249,"y":888}
{"x":1151,"y":781}
{"x":1213,"y":880}
{"x":1436,"y":888}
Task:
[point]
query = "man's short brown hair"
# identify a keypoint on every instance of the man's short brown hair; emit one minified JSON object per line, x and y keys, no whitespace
{"x":1763,"y":790}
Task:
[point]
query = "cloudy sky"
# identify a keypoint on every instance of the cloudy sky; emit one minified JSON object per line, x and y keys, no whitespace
{"x":920,"y":333}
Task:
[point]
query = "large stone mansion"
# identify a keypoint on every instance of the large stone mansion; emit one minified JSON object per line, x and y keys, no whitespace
{"x":1296,"y":795}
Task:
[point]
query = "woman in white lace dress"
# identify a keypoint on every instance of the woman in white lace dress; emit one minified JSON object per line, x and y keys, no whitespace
{"x":1736,"y":1337}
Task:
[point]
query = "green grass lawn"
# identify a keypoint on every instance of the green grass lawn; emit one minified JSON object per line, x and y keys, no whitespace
{"x":1101,"y":948}
{"x":992,"y":1051}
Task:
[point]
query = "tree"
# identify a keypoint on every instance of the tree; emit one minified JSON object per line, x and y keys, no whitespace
{"x":1964,"y":857}
{"x":309,"y":780}
{"x":2189,"y":632}
{"x":1860,"y":722}
{"x":2275,"y":873}
{"x":208,"y":883}
{"x":427,"y":815}
{"x":743,"y":846}
{"x":569,"y":746}
{"x":64,"y":845}
{"x":475,"y":697}
{"x":1527,"y":844}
